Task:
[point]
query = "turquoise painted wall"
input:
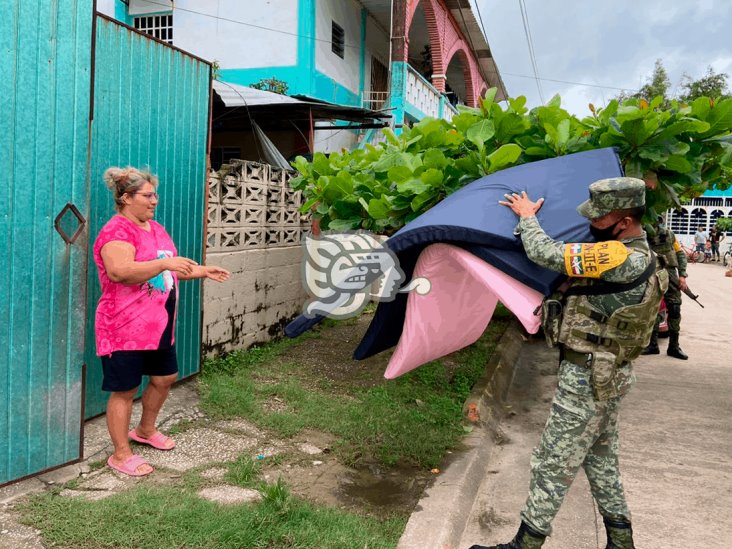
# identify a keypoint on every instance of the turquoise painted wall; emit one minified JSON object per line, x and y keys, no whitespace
{"x":120,"y":13}
{"x":398,"y":95}
{"x":302,"y":78}
{"x":156,"y":119}
{"x":45,"y":84}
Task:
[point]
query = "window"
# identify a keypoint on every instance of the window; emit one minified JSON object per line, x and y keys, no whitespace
{"x":337,"y":39}
{"x":222,"y":155}
{"x":157,"y":26}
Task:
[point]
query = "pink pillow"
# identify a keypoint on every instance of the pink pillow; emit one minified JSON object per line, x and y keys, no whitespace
{"x":457,"y":309}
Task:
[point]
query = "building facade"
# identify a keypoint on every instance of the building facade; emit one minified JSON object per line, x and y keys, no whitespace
{"x":700,"y":212}
{"x":416,"y":58}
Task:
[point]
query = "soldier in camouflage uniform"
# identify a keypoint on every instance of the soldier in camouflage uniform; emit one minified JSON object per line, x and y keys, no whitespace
{"x":669,"y":251}
{"x":599,"y":335}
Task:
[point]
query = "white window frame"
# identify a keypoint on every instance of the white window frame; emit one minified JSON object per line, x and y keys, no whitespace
{"x":159,"y":25}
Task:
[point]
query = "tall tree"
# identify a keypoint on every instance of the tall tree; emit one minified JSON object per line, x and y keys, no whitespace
{"x":710,"y":85}
{"x":658,"y":85}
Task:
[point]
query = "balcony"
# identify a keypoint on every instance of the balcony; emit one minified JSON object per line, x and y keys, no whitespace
{"x":424,"y":100}
{"x":375,"y":100}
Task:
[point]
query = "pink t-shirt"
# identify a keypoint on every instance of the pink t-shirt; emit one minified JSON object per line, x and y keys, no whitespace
{"x":133,"y":317}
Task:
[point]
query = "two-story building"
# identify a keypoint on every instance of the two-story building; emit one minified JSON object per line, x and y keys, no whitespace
{"x":412,"y":58}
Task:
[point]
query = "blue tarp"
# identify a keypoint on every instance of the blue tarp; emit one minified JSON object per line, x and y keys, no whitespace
{"x":472,"y":218}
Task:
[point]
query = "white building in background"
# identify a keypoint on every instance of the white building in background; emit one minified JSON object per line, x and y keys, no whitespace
{"x":703,"y":211}
{"x":415,"y":58}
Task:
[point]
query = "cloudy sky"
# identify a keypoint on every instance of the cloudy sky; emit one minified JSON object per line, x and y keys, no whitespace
{"x":612,"y":44}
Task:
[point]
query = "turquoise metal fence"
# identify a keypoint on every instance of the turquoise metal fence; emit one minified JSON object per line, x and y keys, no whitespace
{"x":151,"y":104}
{"x":45,"y":73}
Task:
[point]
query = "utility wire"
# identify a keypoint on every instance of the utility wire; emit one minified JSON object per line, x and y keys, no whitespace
{"x":470,"y":39}
{"x":535,"y":77}
{"x":177,"y":8}
{"x":529,"y":41}
{"x":485,"y":34}
{"x":568,"y":82}
{"x":482,"y":26}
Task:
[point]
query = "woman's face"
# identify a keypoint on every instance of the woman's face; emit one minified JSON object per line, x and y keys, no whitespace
{"x":141,"y":204}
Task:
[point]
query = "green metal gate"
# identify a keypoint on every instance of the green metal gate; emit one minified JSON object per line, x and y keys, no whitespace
{"x":151,"y":109}
{"x":45,"y":77}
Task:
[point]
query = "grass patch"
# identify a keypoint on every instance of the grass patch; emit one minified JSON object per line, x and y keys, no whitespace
{"x":244,"y":472}
{"x":412,"y":420}
{"x":173,"y":517}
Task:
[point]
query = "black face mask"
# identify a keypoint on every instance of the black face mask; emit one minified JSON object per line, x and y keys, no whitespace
{"x":602,"y":235}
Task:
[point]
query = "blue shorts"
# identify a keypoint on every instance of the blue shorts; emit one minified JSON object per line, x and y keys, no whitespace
{"x":123,"y":370}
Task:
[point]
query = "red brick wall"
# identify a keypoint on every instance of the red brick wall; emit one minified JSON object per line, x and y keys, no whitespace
{"x":446,"y":41}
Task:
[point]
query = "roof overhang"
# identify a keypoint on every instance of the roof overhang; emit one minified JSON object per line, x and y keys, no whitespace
{"x":462,"y":12}
{"x":263,"y":104}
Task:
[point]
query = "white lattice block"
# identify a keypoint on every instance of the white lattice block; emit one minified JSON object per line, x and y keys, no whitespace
{"x":231,"y":215}
{"x":212,"y":239}
{"x":214,"y":215}
{"x":291,"y":237}
{"x":254,"y":193}
{"x":231,"y":190}
{"x":252,"y":238}
{"x":255,"y":172}
{"x":291,"y":217}
{"x":293,"y":198}
{"x":273,"y":236}
{"x":275,"y":194}
{"x":275,"y":216}
{"x":214,"y":189}
{"x":254,"y":215}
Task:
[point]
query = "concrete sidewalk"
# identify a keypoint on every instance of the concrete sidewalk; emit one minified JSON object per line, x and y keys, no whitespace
{"x":676,"y":442}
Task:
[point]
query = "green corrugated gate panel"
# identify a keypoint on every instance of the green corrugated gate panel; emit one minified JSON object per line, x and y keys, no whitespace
{"x":45,"y":71}
{"x":151,"y":106}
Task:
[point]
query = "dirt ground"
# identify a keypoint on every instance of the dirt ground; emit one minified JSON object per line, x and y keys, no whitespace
{"x":326,"y":363}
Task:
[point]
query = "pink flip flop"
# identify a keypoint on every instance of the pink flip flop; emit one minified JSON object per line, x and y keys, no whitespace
{"x":130,"y":465}
{"x":158,"y":440}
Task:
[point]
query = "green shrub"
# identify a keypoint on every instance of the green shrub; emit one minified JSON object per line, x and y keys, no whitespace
{"x":382,"y":188}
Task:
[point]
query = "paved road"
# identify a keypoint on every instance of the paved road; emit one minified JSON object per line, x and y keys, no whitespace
{"x":676,"y":441}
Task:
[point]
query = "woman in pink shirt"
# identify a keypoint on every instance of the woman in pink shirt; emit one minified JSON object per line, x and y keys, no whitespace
{"x":139,"y":270}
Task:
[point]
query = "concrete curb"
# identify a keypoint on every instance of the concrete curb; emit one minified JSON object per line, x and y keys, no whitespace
{"x":443,"y":511}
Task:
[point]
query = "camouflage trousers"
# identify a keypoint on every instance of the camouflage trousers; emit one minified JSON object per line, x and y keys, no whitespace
{"x":580,"y":431}
{"x":673,"y":302}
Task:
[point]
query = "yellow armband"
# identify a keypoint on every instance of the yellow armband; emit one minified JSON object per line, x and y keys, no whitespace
{"x":591,"y":260}
{"x":677,"y":246}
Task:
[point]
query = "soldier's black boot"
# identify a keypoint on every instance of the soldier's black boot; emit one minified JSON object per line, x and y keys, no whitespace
{"x":525,"y":538}
{"x":652,"y":348}
{"x":673,"y":346}
{"x":619,"y":534}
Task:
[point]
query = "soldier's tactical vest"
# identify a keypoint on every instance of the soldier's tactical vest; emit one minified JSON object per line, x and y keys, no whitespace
{"x":623,"y":334}
{"x":663,"y":244}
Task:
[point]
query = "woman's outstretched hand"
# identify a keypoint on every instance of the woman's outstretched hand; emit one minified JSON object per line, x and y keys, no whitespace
{"x":217,"y":273}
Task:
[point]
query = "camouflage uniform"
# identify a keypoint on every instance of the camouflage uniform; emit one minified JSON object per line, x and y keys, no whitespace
{"x":582,"y":430}
{"x":665,"y":244}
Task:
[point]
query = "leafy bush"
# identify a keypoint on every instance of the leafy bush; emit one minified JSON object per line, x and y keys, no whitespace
{"x":381,"y":188}
{"x":724,"y":223}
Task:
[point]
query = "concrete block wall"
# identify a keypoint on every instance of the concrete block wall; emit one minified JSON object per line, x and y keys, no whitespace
{"x":254,"y":231}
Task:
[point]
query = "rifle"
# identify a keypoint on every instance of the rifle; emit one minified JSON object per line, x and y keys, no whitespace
{"x":688,"y":292}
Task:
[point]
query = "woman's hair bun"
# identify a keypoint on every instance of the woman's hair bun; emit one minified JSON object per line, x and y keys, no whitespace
{"x":114,"y":176}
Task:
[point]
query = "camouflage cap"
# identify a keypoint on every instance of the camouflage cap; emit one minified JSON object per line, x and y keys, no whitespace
{"x":617,"y":193}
